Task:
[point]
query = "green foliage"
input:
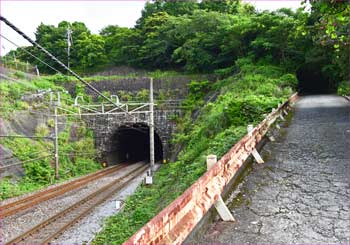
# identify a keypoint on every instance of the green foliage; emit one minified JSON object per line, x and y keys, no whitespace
{"x":87,"y":50}
{"x":243,"y":100}
{"x":19,"y":74}
{"x":77,"y":157}
{"x":328,"y":27}
{"x":10,"y":188}
{"x":105,"y":93}
{"x":51,"y":123}
{"x":60,"y":78}
{"x":42,"y":130}
{"x":10,"y":96}
{"x":195,"y":36}
{"x":142,"y":95}
{"x":206,"y":36}
{"x":344,"y":88}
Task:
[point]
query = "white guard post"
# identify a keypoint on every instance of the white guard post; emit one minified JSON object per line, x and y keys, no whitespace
{"x":219,"y":205}
{"x":282,"y":118}
{"x":278,"y":126}
{"x":255,"y":153}
{"x":149,"y":178}
{"x":118,"y":204}
{"x":271,"y":138}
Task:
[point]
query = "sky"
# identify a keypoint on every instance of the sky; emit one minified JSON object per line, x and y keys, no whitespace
{"x":27,"y":15}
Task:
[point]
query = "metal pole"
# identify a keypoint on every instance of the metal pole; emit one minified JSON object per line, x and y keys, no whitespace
{"x":14,"y":58}
{"x":151,"y":126}
{"x":56,"y":145}
{"x":69,"y":43}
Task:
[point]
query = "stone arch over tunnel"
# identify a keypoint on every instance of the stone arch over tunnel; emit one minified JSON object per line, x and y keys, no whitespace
{"x":130,"y":143}
{"x":313,"y":80}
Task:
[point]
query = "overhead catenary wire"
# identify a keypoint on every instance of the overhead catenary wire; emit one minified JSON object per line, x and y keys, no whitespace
{"x":7,"y":22}
{"x":37,"y":58}
{"x":21,"y":163}
{"x":24,"y":136}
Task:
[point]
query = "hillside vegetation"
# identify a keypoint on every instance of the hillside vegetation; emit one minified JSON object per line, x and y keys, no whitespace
{"x":28,"y":117}
{"x":243,"y":99}
{"x":207,"y":36}
{"x":253,"y":55}
{"x":22,"y":113}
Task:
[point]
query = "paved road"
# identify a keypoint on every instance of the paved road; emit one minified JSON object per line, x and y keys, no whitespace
{"x":302,"y":193}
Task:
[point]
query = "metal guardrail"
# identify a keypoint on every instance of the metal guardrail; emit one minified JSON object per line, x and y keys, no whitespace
{"x":174,"y":223}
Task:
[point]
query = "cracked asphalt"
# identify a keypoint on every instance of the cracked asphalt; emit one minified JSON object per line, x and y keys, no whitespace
{"x":301,"y":194}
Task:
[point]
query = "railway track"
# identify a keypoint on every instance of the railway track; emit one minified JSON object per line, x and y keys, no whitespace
{"x":54,"y":226}
{"x":32,"y":200}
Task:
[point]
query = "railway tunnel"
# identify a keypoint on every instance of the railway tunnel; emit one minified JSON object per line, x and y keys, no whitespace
{"x":131,"y":143}
{"x":312,"y":79}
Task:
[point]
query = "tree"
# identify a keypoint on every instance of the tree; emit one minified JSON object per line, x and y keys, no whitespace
{"x":156,"y":49}
{"x":91,"y":53}
{"x":223,"y":6}
{"x":122,"y":44}
{"x":329,"y":27}
{"x":87,"y":50}
{"x":277,"y":37}
{"x":173,"y":8}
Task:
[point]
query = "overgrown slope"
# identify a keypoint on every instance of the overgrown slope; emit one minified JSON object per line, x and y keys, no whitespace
{"x":25,"y":112}
{"x":244,"y":99}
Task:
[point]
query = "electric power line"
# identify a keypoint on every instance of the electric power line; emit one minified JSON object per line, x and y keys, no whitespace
{"x":30,"y":54}
{"x":59,"y":62}
{"x":23,"y":136}
{"x":21,"y":163}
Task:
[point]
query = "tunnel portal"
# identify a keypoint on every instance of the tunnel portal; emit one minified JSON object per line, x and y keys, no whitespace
{"x":312,"y":80}
{"x":130,"y":143}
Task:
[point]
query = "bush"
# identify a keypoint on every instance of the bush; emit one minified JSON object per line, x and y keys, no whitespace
{"x":42,"y":130}
{"x":19,"y":74}
{"x":343,"y":88}
{"x":51,"y":123}
{"x":244,"y":99}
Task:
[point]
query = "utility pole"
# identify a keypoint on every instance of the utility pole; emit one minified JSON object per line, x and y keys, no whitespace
{"x":69,"y":44}
{"x":56,"y":103}
{"x":37,"y":71}
{"x":151,"y":126}
{"x":15,"y":60}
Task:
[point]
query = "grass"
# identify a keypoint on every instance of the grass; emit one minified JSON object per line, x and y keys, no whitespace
{"x":244,"y":99}
{"x":39,"y":174}
{"x":77,"y":157}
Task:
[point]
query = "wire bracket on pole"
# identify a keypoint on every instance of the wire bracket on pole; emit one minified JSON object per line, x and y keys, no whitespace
{"x":255,"y":153}
{"x":219,"y":205}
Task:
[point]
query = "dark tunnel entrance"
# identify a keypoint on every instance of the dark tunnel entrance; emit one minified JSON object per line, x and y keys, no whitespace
{"x":312,"y":80}
{"x":130,"y":143}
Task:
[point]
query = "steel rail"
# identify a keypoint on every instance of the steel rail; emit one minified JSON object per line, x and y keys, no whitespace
{"x":39,"y":197}
{"x":51,"y":228}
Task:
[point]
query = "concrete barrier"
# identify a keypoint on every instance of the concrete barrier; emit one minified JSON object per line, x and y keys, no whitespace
{"x":174,"y":223}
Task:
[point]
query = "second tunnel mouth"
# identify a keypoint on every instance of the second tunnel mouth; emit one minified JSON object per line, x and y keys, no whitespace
{"x":313,"y":80}
{"x":131,"y":143}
